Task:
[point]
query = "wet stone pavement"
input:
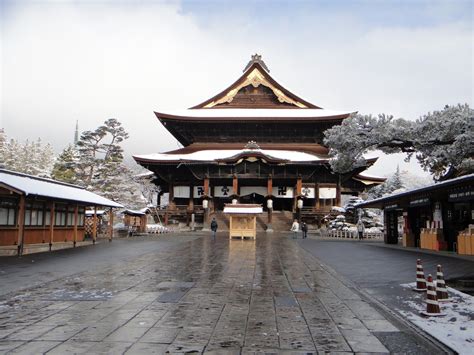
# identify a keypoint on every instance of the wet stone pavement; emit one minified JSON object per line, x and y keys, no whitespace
{"x":222,"y":297}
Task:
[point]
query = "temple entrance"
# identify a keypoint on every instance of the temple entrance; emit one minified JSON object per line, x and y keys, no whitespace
{"x":254,"y":198}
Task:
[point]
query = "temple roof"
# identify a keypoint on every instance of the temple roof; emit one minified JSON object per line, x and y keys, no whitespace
{"x":256,"y":74}
{"x":35,"y":186}
{"x":257,"y":114}
{"x":231,"y":155}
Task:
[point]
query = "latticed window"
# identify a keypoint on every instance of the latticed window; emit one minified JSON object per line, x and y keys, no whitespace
{"x":8,"y":212}
{"x":60,"y":215}
{"x":34,"y":214}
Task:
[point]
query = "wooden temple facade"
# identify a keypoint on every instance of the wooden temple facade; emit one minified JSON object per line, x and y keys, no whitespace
{"x":254,"y":142}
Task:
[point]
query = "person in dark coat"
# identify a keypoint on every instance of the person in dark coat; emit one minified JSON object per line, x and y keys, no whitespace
{"x":304,"y":229}
{"x":214,"y":227}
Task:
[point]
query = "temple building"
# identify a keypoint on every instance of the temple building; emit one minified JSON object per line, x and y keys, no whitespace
{"x":254,"y":142}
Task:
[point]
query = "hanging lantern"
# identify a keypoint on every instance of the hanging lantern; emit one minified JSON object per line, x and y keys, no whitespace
{"x":234,"y":201}
{"x":205,"y":204}
{"x":269,"y":203}
{"x":300,"y":203}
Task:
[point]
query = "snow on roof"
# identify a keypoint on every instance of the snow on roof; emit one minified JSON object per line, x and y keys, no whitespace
{"x":252,"y":209}
{"x":32,"y":185}
{"x":431,"y":187}
{"x":141,"y":212}
{"x":210,"y":155}
{"x":254,"y":112}
{"x":98,"y":212}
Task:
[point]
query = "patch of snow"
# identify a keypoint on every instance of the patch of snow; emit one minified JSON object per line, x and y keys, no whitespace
{"x":455,"y":328}
{"x":211,"y":155}
{"x":31,"y":185}
{"x":260,"y":113}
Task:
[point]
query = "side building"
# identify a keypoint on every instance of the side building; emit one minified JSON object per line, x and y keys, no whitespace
{"x":433,"y":217}
{"x":254,"y":142}
{"x":41,"y":214}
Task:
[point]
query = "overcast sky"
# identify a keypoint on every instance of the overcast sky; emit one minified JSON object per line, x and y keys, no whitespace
{"x":89,"y":60}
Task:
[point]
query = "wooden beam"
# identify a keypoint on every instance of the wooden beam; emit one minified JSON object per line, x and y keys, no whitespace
{"x":111,"y":225}
{"x":94,"y":226}
{"x":206,"y":186}
{"x":316,"y":197}
{"x":269,"y":185}
{"x":51,"y":225}
{"x":21,"y":225}
{"x":235,"y":185}
{"x":76,"y":214}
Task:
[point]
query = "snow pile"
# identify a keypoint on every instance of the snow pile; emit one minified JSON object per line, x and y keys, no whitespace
{"x":455,"y":328}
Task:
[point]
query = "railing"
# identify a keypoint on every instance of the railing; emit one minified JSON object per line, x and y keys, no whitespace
{"x":351,"y":234}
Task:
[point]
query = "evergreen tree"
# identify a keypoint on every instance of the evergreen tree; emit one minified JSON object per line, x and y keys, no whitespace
{"x":442,"y":141}
{"x":65,"y":167}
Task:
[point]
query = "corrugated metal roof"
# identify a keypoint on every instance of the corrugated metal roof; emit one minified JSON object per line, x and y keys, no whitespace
{"x":32,"y":185}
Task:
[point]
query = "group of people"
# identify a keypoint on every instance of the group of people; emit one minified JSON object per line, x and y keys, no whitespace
{"x":295,"y":227}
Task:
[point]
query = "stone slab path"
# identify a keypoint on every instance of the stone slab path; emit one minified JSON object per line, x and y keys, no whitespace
{"x":222,"y":297}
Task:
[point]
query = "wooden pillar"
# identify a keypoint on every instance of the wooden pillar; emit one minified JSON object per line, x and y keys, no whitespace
{"x":299,"y":185}
{"x":235,"y":185}
{"x":94,"y":226}
{"x":206,"y":186}
{"x":269,"y":185}
{"x":316,"y":197}
{"x":52,"y":220}
{"x":269,"y":209}
{"x":76,"y":214}
{"x":111,"y":224}
{"x":21,"y":225}
{"x":338,"y":192}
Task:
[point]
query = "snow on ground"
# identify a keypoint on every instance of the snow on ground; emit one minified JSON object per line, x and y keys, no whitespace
{"x":455,"y":328}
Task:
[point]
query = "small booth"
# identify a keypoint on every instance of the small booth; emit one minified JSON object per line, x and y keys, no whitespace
{"x":136,"y":220}
{"x":242,"y":219}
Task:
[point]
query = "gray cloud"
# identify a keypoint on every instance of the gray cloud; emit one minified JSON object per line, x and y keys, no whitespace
{"x":67,"y":61}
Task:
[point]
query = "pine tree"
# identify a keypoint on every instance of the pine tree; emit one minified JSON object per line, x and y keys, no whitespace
{"x":66,"y":164}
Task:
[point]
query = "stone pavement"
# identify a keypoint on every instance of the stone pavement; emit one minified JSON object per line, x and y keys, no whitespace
{"x":223,"y":297}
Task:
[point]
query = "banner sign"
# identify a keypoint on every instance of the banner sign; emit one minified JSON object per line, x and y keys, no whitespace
{"x":222,"y":191}
{"x":461,"y":196}
{"x":181,"y":191}
{"x":249,"y":190}
{"x":282,"y":192}
{"x":198,"y":191}
{"x":307,"y":192}
{"x":327,"y":193}
{"x":420,"y":202}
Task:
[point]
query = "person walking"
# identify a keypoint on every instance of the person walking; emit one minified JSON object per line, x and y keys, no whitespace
{"x":294,"y":228}
{"x":214,"y":228}
{"x":360,"y":229}
{"x":304,"y":229}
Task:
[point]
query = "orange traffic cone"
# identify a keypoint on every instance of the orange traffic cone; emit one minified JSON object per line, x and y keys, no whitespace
{"x":441,"y":290}
{"x":432,"y":305}
{"x":420,"y":277}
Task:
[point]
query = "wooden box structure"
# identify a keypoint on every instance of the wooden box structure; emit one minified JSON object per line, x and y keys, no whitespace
{"x":466,"y":241}
{"x":242,"y":220}
{"x":432,"y":239}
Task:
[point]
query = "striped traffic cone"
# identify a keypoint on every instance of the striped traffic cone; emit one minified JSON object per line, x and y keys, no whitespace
{"x":420,"y":277}
{"x":432,"y":305}
{"x":441,"y":290}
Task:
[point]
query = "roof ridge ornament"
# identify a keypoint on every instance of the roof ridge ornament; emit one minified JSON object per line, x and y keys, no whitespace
{"x":252,"y":145}
{"x":257,"y":58}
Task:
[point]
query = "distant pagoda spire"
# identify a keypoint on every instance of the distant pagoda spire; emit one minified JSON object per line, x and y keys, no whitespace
{"x":257,"y":58}
{"x":76,"y":133}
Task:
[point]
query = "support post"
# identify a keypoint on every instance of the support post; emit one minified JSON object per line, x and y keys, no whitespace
{"x":94,"y":226}
{"x":269,"y":204}
{"x":76,"y":213}
{"x":338,"y":192}
{"x":235,"y":185}
{"x":51,"y":226}
{"x":21,"y":225}
{"x":111,"y":224}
